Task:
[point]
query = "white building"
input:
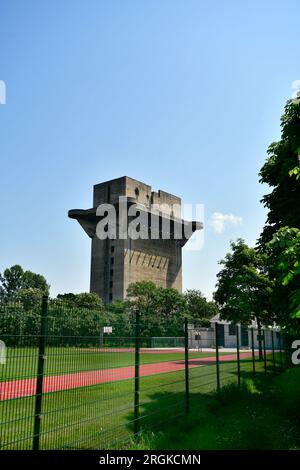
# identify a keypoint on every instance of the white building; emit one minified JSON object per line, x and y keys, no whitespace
{"x":200,"y":338}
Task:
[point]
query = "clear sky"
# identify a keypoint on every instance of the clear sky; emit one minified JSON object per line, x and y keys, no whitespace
{"x":183,"y":95}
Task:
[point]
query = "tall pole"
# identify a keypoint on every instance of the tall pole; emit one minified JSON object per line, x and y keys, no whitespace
{"x":40,"y":374}
{"x":265,"y":355}
{"x":280,"y":350}
{"x":238,"y":354}
{"x":186,"y":368}
{"x":273,"y":352}
{"x":253,"y":351}
{"x":217,"y":355}
{"x":260,"y":340}
{"x":137,"y":376}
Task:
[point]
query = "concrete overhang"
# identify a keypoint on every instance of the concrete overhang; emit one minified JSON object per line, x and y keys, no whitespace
{"x":88,"y":219}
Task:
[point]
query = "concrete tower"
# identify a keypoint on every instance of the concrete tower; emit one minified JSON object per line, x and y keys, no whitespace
{"x":118,"y":261}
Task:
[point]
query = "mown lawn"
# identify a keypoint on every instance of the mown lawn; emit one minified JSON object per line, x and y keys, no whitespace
{"x":263,"y":414}
{"x":101,"y":416}
{"x":22,"y":362}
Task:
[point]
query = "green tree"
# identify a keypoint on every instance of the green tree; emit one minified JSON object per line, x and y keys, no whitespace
{"x":244,"y":290}
{"x":161,"y":310}
{"x":199,"y":309}
{"x":279,"y":238}
{"x":142,"y":294}
{"x":283,"y":161}
{"x":11,"y":281}
{"x":84,"y":299}
{"x":29,"y":298}
{"x":284,"y":260}
{"x":77,"y":321}
{"x":170,"y":312}
{"x":121,"y":319}
{"x":15,"y":279}
{"x":143,"y":301}
{"x":88,"y":300}
{"x":32,"y":280}
{"x":68,"y":298}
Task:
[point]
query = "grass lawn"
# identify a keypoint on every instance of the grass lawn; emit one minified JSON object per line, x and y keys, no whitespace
{"x":22,"y":362}
{"x":263,"y":414}
{"x":101,"y":416}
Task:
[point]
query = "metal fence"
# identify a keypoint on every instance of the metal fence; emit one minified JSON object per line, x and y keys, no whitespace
{"x":66,"y":385}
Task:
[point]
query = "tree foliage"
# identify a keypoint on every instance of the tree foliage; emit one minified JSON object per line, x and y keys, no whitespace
{"x":282,"y":163}
{"x":199,"y":309}
{"x":85,"y":299}
{"x":121,"y":318}
{"x":243,"y":291}
{"x":15,"y":279}
{"x":161,"y":310}
{"x":284,"y":260}
{"x":280,"y":239}
{"x":75,"y":323}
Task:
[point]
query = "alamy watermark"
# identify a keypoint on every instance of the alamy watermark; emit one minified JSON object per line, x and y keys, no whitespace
{"x":156,"y":222}
{"x":296,"y":353}
{"x":2,"y":92}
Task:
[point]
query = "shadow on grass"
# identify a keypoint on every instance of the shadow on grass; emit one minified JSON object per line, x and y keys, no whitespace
{"x":262,"y":414}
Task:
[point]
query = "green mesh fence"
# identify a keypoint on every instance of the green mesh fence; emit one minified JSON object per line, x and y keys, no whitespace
{"x":65,"y":384}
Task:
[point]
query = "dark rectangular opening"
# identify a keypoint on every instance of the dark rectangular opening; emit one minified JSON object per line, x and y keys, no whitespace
{"x":244,"y":335}
{"x":232,"y":329}
{"x":221,"y":335}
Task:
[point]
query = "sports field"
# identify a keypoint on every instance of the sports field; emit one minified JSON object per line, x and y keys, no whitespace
{"x":100,"y":369}
{"x":22,"y":362}
{"x":88,"y":398}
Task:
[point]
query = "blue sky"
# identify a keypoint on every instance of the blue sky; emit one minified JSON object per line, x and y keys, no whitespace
{"x":183,"y":95}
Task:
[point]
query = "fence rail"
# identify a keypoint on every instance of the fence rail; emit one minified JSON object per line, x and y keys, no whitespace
{"x":65,"y":385}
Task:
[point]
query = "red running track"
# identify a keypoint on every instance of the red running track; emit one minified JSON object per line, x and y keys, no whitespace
{"x":26,"y":387}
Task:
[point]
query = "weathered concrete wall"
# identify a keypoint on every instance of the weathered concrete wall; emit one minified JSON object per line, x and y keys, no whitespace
{"x":117,"y":263}
{"x":158,"y":261}
{"x":130,"y":261}
{"x":107,"y":269}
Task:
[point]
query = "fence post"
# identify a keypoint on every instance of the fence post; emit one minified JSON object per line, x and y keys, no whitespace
{"x":217,"y":355}
{"x":253,"y":351}
{"x":259,"y":335}
{"x":40,"y":374}
{"x":286,"y":350}
{"x":137,"y":376}
{"x":186,"y":368}
{"x":273,"y":352}
{"x":264,"y":346}
{"x":238,"y":355}
{"x":280,"y":351}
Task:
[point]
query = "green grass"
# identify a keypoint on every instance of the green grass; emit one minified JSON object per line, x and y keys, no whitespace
{"x":22,"y":362}
{"x":263,"y":414}
{"x":101,"y":416}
